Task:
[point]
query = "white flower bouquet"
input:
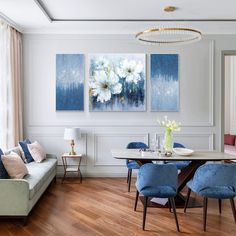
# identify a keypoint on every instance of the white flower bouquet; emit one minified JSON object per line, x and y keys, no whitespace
{"x":170,"y":126}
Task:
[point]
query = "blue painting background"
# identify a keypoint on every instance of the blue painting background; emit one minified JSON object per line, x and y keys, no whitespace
{"x":164,"y":82}
{"x":69,"y":82}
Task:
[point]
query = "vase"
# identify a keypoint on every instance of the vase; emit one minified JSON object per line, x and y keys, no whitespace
{"x":168,"y":141}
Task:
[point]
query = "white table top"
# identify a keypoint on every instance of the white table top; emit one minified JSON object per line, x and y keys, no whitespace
{"x":72,"y":156}
{"x":135,"y":154}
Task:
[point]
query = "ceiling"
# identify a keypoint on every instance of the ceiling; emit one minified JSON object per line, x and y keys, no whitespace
{"x":122,"y":17}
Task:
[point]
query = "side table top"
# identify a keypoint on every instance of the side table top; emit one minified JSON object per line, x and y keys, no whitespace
{"x":72,"y":156}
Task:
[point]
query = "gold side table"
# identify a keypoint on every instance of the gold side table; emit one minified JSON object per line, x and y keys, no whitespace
{"x":71,"y":168}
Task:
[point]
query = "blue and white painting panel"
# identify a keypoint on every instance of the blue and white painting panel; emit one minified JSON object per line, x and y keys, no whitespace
{"x":117,"y":82}
{"x":70,"y":82}
{"x":164,"y":82}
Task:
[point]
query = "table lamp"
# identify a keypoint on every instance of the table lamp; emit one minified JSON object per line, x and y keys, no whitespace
{"x":72,"y":134}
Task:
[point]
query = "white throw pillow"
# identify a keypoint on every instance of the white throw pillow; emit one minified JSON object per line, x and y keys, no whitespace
{"x":14,"y":166}
{"x":37,"y":151}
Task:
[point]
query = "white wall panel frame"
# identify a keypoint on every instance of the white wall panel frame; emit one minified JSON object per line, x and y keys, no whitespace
{"x":116,"y":136}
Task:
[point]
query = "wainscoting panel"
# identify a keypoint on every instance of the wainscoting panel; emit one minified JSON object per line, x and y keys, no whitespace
{"x":195,"y":141}
{"x":105,"y":142}
{"x":195,"y":74}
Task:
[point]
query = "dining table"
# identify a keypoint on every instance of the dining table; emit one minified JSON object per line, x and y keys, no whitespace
{"x":197,"y":159}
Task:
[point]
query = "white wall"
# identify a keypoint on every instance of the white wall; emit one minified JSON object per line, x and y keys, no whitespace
{"x":200,"y":99}
{"x":227,"y":94}
{"x":230,"y":94}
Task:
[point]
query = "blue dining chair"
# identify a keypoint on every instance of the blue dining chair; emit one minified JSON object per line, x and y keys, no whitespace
{"x":157,"y":180}
{"x":214,"y":181}
{"x":179,"y":164}
{"x":133,"y":164}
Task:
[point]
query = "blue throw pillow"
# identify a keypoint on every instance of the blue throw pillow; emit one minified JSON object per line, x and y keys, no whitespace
{"x":3,"y":172}
{"x":25,"y":149}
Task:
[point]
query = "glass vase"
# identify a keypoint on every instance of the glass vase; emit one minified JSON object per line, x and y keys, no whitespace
{"x":168,"y":141}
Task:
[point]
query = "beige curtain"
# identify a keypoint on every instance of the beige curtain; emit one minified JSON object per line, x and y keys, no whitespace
{"x":16,"y":77}
{"x":10,"y":86}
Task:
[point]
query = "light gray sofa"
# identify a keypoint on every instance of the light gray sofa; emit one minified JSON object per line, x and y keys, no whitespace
{"x":18,"y":196}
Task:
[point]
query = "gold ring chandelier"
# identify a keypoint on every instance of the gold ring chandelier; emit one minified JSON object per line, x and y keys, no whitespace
{"x":171,"y":35}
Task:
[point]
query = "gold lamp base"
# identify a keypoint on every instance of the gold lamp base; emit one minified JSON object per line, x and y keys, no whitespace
{"x":72,"y":152}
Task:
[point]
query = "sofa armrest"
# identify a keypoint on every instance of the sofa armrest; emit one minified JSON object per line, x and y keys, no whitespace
{"x":51,"y":156}
{"x":14,"y":197}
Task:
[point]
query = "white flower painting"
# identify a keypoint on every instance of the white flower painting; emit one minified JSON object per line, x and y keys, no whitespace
{"x":103,"y":85}
{"x":117,"y":82}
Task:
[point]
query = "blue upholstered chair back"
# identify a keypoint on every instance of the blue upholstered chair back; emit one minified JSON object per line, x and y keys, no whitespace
{"x":154,"y":175}
{"x":178,"y":145}
{"x":210,"y":175}
{"x":136,"y":145}
{"x":179,"y":164}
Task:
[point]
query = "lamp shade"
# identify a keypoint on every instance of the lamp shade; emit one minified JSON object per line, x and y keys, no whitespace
{"x":72,"y":134}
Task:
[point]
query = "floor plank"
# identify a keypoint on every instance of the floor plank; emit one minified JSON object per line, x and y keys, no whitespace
{"x":102,"y":206}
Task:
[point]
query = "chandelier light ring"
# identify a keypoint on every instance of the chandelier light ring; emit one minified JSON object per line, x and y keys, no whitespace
{"x":171,"y":35}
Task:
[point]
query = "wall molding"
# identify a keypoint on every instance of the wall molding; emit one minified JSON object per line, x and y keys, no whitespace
{"x":32,"y":122}
{"x":209,"y":135}
{"x":232,"y":95}
{"x":144,"y":136}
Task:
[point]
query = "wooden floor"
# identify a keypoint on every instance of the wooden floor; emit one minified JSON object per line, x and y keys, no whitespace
{"x":102,"y":206}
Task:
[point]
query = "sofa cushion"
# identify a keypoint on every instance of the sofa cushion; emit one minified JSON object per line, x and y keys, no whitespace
{"x":37,"y":151}
{"x":38,"y":174}
{"x":25,"y":151}
{"x":15,"y":149}
{"x":3,"y":172}
{"x":14,"y":166}
{"x":229,"y":139}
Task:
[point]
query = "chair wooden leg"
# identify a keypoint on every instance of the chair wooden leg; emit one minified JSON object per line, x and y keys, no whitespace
{"x":233,"y":208}
{"x":136,"y":200}
{"x":169,"y":204}
{"x":204,"y":213}
{"x":187,"y":200}
{"x":172,"y":200}
{"x":127,"y":179}
{"x":129,"y":183}
{"x":145,"y":212}
{"x":219,"y":200}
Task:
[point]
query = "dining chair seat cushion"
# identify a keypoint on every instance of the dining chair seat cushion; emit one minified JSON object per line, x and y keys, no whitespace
{"x":133,"y":165}
{"x":221,"y":192}
{"x":160,"y":191}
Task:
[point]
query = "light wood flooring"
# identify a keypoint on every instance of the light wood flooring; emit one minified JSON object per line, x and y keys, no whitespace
{"x":102,"y":206}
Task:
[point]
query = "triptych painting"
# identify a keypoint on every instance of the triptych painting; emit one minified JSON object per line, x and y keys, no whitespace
{"x":117,"y":82}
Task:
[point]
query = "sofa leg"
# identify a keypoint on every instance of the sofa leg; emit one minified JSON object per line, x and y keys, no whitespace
{"x":25,"y":220}
{"x":55,"y":179}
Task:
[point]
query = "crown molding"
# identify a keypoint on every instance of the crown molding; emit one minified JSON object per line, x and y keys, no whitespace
{"x":44,"y":10}
{"x":10,"y":22}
